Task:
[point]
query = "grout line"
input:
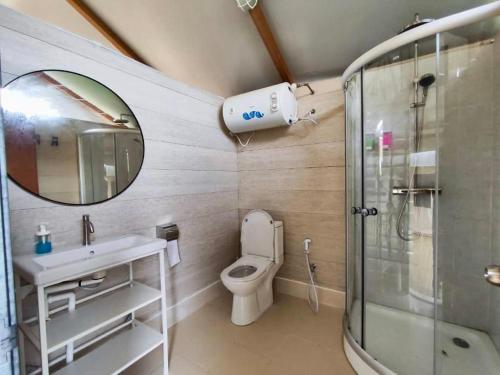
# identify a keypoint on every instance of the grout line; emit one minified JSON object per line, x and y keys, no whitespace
{"x":289,"y":168}
{"x":312,"y":167}
{"x":189,"y":170}
{"x":255,"y":189}
{"x":342,"y":141}
{"x":127,"y":200}
{"x":161,"y":197}
{"x":186,"y":145}
{"x":205,"y":125}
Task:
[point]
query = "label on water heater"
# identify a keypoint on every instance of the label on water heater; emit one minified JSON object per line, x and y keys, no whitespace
{"x":252,"y":114}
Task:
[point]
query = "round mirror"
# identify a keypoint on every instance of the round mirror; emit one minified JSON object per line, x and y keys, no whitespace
{"x":69,"y":138}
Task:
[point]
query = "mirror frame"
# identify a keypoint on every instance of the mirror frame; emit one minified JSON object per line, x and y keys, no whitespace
{"x":3,"y":119}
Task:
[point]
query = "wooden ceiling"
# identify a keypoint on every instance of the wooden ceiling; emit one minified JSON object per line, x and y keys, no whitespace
{"x":257,"y":15}
{"x":217,"y":47}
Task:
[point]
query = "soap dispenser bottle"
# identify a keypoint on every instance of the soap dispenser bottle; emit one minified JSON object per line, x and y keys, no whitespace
{"x":43,"y":243}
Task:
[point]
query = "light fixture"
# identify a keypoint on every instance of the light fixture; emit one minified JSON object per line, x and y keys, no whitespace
{"x":122,"y":120}
{"x":245,"y":5}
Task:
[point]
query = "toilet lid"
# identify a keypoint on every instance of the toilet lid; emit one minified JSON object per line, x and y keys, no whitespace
{"x":257,"y":234}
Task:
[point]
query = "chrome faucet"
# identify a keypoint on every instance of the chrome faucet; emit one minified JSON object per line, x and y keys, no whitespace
{"x":88,"y":228}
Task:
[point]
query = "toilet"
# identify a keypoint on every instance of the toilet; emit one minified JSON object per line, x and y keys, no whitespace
{"x":250,"y":278}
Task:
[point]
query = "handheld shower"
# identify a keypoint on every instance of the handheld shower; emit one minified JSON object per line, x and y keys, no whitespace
{"x":424,"y":82}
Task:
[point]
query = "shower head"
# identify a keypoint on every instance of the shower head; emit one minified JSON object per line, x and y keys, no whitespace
{"x":426,"y":80}
{"x":416,"y":23}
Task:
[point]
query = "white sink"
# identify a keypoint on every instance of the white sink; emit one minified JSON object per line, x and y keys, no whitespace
{"x":69,"y":263}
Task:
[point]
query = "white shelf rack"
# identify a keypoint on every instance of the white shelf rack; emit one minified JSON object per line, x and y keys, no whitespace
{"x":116,"y":354}
{"x":106,"y":314}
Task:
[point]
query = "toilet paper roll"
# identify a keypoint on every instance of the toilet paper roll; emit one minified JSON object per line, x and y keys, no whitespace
{"x":173,"y":253}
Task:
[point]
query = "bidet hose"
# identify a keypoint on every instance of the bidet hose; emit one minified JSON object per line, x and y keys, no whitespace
{"x":312,"y":293}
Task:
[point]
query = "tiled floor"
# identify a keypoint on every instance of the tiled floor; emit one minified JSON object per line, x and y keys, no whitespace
{"x":287,"y":339}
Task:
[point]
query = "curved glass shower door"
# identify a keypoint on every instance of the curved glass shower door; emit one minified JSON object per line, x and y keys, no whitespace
{"x":423,"y":189}
{"x":354,"y":198}
{"x":399,"y":173}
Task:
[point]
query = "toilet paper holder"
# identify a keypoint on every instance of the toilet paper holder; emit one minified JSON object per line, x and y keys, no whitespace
{"x":167,"y":232}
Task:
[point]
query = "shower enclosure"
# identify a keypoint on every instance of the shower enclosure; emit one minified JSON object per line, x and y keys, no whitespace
{"x":423,"y":200}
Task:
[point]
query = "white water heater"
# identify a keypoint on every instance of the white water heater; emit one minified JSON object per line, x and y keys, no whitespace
{"x":265,"y":108}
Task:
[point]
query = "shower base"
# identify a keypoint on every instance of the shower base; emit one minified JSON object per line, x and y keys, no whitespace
{"x":404,"y":343}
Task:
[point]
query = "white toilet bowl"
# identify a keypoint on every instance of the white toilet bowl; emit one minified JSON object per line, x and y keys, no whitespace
{"x":250,"y":278}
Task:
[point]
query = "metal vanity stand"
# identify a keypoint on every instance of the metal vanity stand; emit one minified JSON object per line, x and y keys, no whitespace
{"x":82,"y":324}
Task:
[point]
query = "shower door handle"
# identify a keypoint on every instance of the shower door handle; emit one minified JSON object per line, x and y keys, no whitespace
{"x":369,"y":212}
{"x":356,"y":210}
{"x":492,"y":274}
{"x":364,"y":211}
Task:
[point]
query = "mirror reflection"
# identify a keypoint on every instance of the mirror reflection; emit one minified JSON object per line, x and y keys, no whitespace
{"x":69,"y":138}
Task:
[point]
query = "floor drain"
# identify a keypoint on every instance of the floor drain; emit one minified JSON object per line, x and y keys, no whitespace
{"x":461,"y":343}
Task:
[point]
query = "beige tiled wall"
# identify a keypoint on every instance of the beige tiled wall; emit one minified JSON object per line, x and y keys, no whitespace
{"x":297,"y":174}
{"x":189,"y":175}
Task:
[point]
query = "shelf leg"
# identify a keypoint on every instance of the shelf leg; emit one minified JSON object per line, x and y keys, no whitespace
{"x":43,"y":330}
{"x":131,"y":273}
{"x":19,"y":312}
{"x":131,"y":279}
{"x":164,"y":326}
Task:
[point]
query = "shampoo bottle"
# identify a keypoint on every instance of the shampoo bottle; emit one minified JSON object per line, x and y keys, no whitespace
{"x":43,"y":244}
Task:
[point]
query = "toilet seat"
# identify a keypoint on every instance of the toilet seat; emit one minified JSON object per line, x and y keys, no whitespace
{"x":262,"y":264}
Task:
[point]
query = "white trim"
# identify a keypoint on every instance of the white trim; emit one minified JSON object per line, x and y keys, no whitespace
{"x":362,"y":362}
{"x":359,"y":364}
{"x":185,"y":307}
{"x":327,"y":296}
{"x":189,"y":305}
{"x":356,"y":361}
{"x":443,"y":24}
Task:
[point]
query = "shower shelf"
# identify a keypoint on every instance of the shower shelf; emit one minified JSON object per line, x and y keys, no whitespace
{"x":398,"y":190}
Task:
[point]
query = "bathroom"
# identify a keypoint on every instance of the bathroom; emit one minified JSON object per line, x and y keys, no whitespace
{"x":356,"y":234}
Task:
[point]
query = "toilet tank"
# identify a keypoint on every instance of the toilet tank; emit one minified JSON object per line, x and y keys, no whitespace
{"x":261,"y":235}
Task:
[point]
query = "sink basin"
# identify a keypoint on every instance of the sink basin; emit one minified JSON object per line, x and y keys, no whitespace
{"x":70,"y":263}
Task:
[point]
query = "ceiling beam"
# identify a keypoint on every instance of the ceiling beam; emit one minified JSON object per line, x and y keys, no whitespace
{"x":58,"y":85}
{"x":106,"y":31}
{"x":260,"y":21}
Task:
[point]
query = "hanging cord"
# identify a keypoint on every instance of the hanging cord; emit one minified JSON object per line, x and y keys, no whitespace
{"x":247,"y":141}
